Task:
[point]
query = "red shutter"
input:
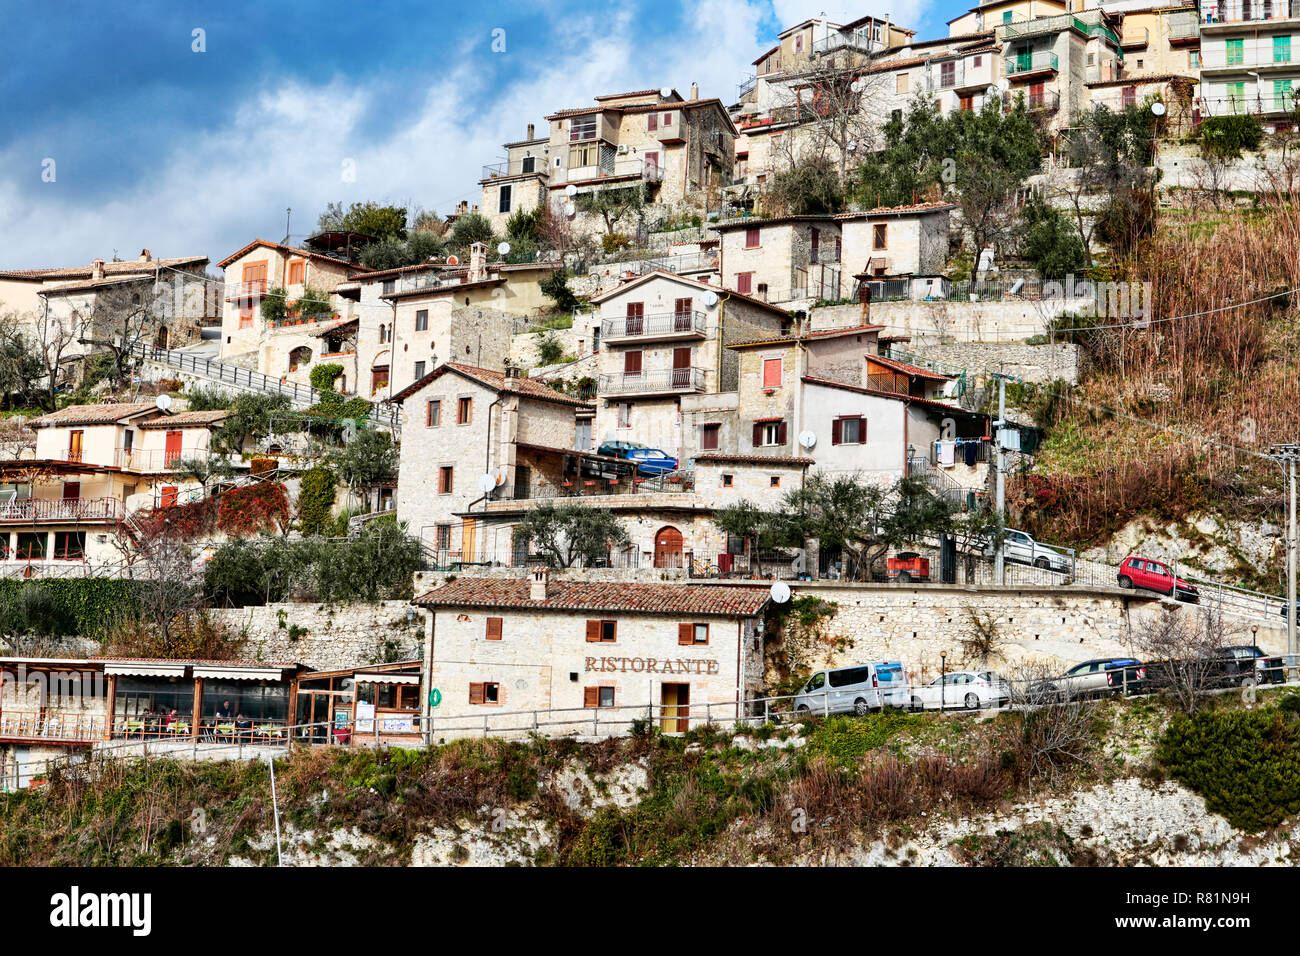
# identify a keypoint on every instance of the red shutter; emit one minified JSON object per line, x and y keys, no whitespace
{"x":631,"y":363}
{"x":593,"y":632}
{"x":780,"y":433}
{"x":837,"y":431}
{"x":591,"y":697}
{"x":862,"y":429}
{"x":685,"y":633}
{"x":758,"y":434}
{"x":494,"y":629}
{"x":476,"y":693}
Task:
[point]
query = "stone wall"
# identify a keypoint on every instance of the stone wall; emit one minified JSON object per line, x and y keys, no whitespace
{"x":1033,"y":363}
{"x":1011,"y":320}
{"x":329,"y":637}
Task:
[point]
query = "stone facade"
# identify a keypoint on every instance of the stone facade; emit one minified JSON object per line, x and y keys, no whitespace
{"x":906,"y":241}
{"x":793,"y":260}
{"x":1032,"y":363}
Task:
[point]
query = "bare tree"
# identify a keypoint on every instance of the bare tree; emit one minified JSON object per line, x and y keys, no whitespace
{"x":53,"y":337}
{"x":836,"y":105}
{"x":1058,"y":732}
{"x":1182,"y":646}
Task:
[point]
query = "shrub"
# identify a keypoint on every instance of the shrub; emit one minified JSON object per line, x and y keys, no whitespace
{"x":1224,"y":137}
{"x":71,"y":606}
{"x":256,"y":508}
{"x":316,"y":500}
{"x":324,"y":376}
{"x":556,"y":288}
{"x":550,"y":349}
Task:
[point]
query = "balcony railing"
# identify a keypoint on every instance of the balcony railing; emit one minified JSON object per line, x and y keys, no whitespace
{"x":1247,"y":104}
{"x":937,"y":78}
{"x":745,"y":85}
{"x":1240,"y":11}
{"x":1047,"y":101}
{"x":135,"y":459}
{"x":651,"y":326}
{"x":1041,"y":26}
{"x":577,"y":486}
{"x":666,"y":380}
{"x":31,"y":510}
{"x":859,"y":40}
{"x":649,"y":172}
{"x":520,"y":167}
{"x":33,"y":725}
{"x":1033,"y":63}
{"x":245,"y":290}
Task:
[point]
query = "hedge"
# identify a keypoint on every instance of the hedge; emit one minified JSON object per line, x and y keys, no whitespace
{"x":86,"y":607}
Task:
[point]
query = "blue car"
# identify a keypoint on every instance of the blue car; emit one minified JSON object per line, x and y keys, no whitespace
{"x":652,"y":461}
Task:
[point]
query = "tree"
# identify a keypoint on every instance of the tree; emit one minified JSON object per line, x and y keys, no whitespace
{"x":1048,"y":240}
{"x":367,"y":218}
{"x":368,"y":460}
{"x":836,"y":108}
{"x":21,"y":367}
{"x":763,"y":529}
{"x":556,"y":288}
{"x":1180,"y":645}
{"x":569,"y":533}
{"x":550,"y":350}
{"x":808,"y":188}
{"x":471,"y":228}
{"x":54,"y":337}
{"x":324,"y":375}
{"x":312,"y":303}
{"x":1110,"y":153}
{"x":613,"y":204}
{"x":918,"y":148}
{"x":315,"y":500}
{"x":249,"y":418}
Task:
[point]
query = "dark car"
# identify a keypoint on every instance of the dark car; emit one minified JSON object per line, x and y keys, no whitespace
{"x":1233,"y":666}
{"x":1250,"y":660}
{"x":649,"y":461}
{"x":1297,"y":607}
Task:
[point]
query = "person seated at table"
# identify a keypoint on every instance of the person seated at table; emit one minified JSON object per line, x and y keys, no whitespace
{"x":243,"y":724}
{"x":148,"y":721}
{"x":169,"y":722}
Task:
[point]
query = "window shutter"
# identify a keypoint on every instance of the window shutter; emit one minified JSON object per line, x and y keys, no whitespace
{"x":685,"y":633}
{"x":758,"y":434}
{"x":780,"y":433}
{"x":593,"y":632}
{"x":591,"y":697}
{"x":476,"y":693}
{"x":862,"y":429}
{"x":837,"y":431}
{"x":632,"y":363}
{"x":494,"y":629}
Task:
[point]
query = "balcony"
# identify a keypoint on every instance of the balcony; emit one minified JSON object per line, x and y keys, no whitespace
{"x":1044,"y":26}
{"x":651,"y":328}
{"x":617,"y":169}
{"x":1254,"y":58}
{"x":950,"y":78}
{"x":1024,"y":66}
{"x":1185,"y":30}
{"x":153,"y":460}
{"x":60,"y":510}
{"x":532,"y":166}
{"x":1233,"y":13}
{"x":745,"y":85}
{"x":239,"y":291}
{"x":1257,"y":105}
{"x":665,"y":382}
{"x":1135,"y":39}
{"x":1047,"y":101}
{"x":859,"y":40}
{"x":67,"y":728}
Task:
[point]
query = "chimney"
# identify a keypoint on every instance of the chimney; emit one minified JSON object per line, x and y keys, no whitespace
{"x":97,"y":268}
{"x":512,"y":371}
{"x":530,"y":131}
{"x":537,"y":589}
{"x":145,"y":256}
{"x":695,"y":91}
{"x":477,"y":263}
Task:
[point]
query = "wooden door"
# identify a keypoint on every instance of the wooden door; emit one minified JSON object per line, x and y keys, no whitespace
{"x":635,"y":318}
{"x":675,"y":714}
{"x":681,"y":368}
{"x":668,"y":548}
{"x":172,"y":453}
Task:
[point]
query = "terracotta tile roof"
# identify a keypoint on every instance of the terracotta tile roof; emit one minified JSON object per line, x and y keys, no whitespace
{"x":188,"y":419}
{"x":526,"y":387}
{"x":351,"y":267}
{"x":694,"y":283}
{"x":769,"y":461}
{"x":103,"y":414}
{"x":202,"y":662}
{"x":906,"y":369}
{"x":619,"y":96}
{"x":129,"y":267}
{"x":806,"y":336}
{"x":1137,"y":80}
{"x":757,"y":222}
{"x":666,"y":599}
{"x":66,"y":288}
{"x":920,"y":207}
{"x":911,"y":400}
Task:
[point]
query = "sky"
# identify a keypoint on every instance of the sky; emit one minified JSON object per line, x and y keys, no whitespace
{"x":188,"y":128}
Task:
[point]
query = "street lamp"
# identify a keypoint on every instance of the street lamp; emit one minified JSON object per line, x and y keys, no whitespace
{"x":943,"y":680}
{"x":1288,"y":455}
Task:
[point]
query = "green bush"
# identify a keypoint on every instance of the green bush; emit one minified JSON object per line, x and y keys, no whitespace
{"x":324,"y":376}
{"x":316,"y":500}
{"x":64,"y":607}
{"x":1224,"y":137}
{"x":1245,"y":763}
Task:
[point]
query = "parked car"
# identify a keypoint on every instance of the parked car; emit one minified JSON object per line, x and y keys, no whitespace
{"x":1297,"y":609}
{"x":857,"y":689}
{"x":650,"y":461}
{"x":970,"y":689}
{"x":1151,"y":575}
{"x":1020,"y":547}
{"x":1100,"y":677}
{"x":907,"y":566}
{"x":1232,"y":666}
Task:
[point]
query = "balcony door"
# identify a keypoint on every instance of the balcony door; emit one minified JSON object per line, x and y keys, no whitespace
{"x":71,"y":490}
{"x":682,"y":315}
{"x":635,"y":318}
{"x":172,"y":452}
{"x":681,"y":368}
{"x":75,"y":441}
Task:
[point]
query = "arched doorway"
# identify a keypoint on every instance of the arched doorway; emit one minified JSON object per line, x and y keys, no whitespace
{"x":160,"y":340}
{"x":668,"y":548}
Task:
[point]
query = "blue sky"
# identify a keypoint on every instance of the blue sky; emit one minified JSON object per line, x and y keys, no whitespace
{"x":156,"y":145}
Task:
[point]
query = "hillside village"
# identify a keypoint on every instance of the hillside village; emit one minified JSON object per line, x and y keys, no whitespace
{"x":906,"y":350}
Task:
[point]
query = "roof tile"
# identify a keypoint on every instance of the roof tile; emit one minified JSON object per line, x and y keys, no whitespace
{"x":600,"y":596}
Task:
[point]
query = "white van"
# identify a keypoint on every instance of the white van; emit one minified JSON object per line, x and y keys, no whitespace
{"x":857,"y":689}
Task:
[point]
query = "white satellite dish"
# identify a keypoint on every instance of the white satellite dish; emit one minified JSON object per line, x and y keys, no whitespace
{"x":780,"y":592}
{"x":807,"y":439}
{"x":666,"y":92}
{"x":710,"y":299}
{"x":570,"y":210}
{"x":164,"y":402}
{"x":1157,"y":108}
{"x":570,"y":191}
{"x":486,"y":483}
{"x":503,"y":248}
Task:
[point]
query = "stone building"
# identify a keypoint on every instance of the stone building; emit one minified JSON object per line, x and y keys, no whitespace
{"x":517,"y":184}
{"x":791,"y":260}
{"x":891,"y":243}
{"x":598,"y":652}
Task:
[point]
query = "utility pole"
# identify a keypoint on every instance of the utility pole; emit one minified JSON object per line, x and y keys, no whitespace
{"x":1000,"y":559}
{"x":1289,"y":454}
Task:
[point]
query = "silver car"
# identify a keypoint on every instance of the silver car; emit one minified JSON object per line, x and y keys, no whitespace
{"x":858,"y":689}
{"x":1021,"y":548}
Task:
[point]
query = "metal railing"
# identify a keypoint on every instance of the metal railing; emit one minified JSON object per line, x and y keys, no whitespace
{"x":661,"y":323}
{"x":938,"y":78}
{"x":135,"y":459}
{"x":664,"y":380}
{"x":38,"y":725}
{"x":1046,"y":101}
{"x":520,"y":167}
{"x":245,"y":290}
{"x":1243,"y":105}
{"x":30,"y":510}
{"x":1239,"y":11}
{"x":1032,"y":63}
{"x":745,"y":85}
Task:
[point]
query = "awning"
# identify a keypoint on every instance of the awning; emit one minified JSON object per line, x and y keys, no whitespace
{"x":387,"y":678}
{"x":145,"y":670}
{"x":238,"y":673}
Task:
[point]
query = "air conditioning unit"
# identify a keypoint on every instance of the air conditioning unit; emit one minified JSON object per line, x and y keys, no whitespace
{"x":622,"y":149}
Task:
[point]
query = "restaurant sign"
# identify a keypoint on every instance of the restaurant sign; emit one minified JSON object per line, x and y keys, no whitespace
{"x":650,"y":665}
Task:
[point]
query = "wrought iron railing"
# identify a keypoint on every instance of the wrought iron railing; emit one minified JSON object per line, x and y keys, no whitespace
{"x":662,"y":323}
{"x":663,"y":380}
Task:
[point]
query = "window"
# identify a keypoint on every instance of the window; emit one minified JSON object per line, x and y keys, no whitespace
{"x":580,"y":156}
{"x":744,"y":282}
{"x":751,"y":238}
{"x":977,"y":62}
{"x":582,"y":128}
{"x":245,"y":316}
{"x":948,"y":74}
{"x":632,"y":363}
{"x":419,"y":371}
{"x":69,"y":545}
{"x":1235,"y":52}
{"x":493,"y":630}
{"x":652,"y":122}
{"x":378,"y":378}
{"x":602,"y":632}
{"x":879,"y":235}
{"x":598,"y":697}
{"x":484,"y":693}
{"x":528,"y":164}
{"x":254,"y":276}
{"x":728,"y":481}
{"x":503,"y":198}
{"x":297,"y":271}
{"x":1236,"y":94}
{"x":1282,"y":49}
{"x":774,"y":481}
{"x":1006,"y":16}
{"x":682,"y":310}
{"x":769,"y":433}
{"x":625,"y":415}
{"x":390,"y":286}
{"x":709,"y":437}
{"x":433,"y":413}
{"x":849,"y":430}
{"x":445,"y":480}
{"x":1282,"y":99}
{"x":422,"y":320}
{"x":442,"y":537}
{"x":772,"y":372}
{"x":668,"y":119}
{"x":1194,"y":59}
{"x":966,"y":102}
{"x":464,"y":410}
{"x":31,"y":545}
{"x":692,"y":633}
{"x":900,"y":83}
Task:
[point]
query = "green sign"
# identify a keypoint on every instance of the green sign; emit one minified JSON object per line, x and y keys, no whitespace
{"x":435,"y":697}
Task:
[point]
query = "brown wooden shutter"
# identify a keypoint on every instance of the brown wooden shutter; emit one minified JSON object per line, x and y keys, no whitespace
{"x":862,"y":429}
{"x":591,"y":697}
{"x":494,"y":629}
{"x":593,"y":632}
{"x":780,"y":433}
{"x":685,"y":633}
{"x":837,"y":431}
{"x":632,"y":363}
{"x":476,"y":693}
{"x":758,"y":434}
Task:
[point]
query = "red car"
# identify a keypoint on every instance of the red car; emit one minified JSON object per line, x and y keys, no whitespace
{"x":1155,"y":576}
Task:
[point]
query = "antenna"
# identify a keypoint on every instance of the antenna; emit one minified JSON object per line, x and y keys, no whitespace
{"x":288,"y":211}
